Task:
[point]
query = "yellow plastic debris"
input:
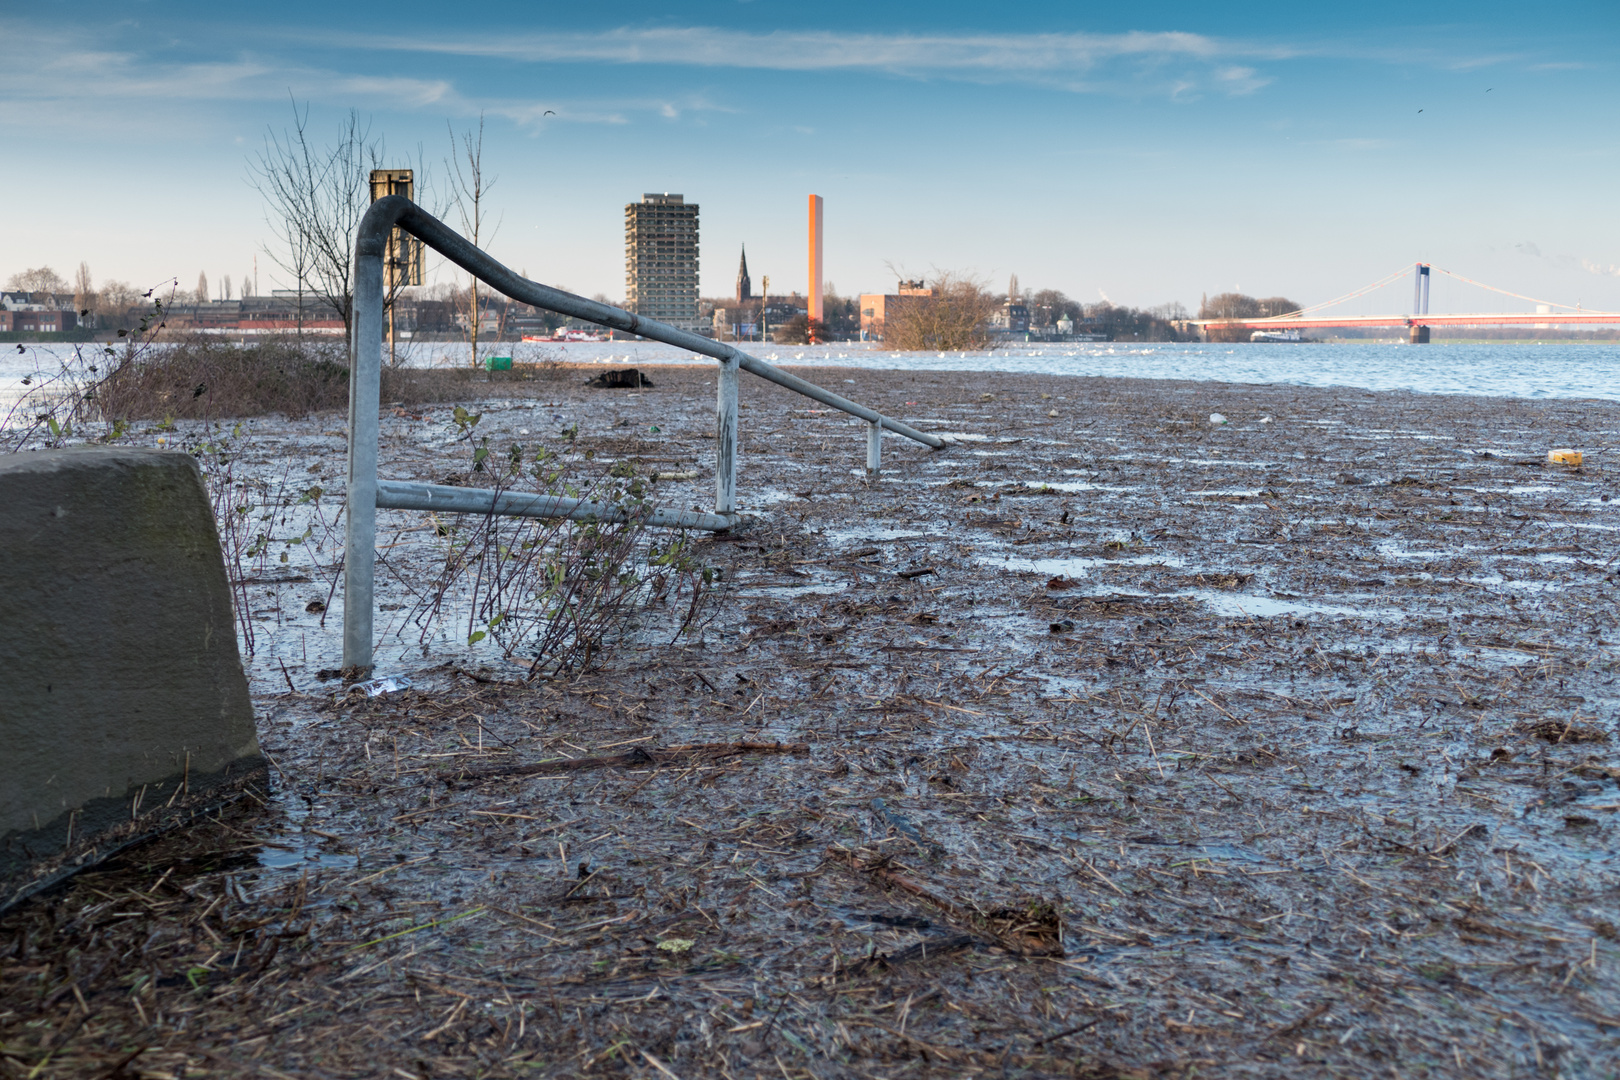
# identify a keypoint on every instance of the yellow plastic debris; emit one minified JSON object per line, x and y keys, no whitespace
{"x":1564,"y":457}
{"x":676,"y":944}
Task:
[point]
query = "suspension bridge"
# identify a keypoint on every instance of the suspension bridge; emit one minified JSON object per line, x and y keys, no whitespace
{"x":1547,"y":314}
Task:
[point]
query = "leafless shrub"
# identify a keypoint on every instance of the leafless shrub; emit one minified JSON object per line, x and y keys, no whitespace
{"x":204,"y":378}
{"x":555,"y":590}
{"x":953,"y":319}
{"x":207,"y":378}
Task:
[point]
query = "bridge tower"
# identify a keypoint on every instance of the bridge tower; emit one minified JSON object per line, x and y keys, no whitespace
{"x":1420,"y":302}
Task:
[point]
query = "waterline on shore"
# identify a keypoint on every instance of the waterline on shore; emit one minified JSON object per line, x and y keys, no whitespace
{"x":1499,"y":369}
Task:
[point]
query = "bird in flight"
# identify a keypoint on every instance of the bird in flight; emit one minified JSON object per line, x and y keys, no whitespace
{"x":548,"y":112}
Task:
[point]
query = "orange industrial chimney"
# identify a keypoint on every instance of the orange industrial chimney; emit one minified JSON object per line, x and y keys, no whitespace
{"x":815,"y":262}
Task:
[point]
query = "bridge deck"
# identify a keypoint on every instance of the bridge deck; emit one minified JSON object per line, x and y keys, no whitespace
{"x":1480,"y":319}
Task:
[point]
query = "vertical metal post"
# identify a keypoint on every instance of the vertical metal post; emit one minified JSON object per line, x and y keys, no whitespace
{"x":874,"y":447}
{"x":725,"y":438}
{"x":365,"y":390}
{"x":389,"y":284}
{"x":1417,"y":288}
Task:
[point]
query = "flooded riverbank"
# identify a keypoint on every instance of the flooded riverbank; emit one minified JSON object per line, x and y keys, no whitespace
{"x":1497,"y":369}
{"x":1104,"y":742}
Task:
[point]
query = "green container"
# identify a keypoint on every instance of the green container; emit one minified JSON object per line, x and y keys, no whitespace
{"x":498,"y":363}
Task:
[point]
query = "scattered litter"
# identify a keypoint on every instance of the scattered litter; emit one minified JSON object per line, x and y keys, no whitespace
{"x":1564,"y":457}
{"x":1217,"y":419}
{"x":1264,"y":420}
{"x":676,"y":945}
{"x":498,"y":363}
{"x":1062,"y":626}
{"x":379,"y":687}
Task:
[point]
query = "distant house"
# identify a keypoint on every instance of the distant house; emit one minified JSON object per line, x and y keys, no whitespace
{"x":39,"y":322}
{"x":1012,"y":318}
{"x":37,"y":301}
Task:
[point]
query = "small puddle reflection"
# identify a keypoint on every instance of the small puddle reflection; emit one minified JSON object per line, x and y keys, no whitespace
{"x":1241,"y":604}
{"x":1078,"y":566}
{"x":1079,"y":485}
{"x":875,"y":535}
{"x":296,"y":849}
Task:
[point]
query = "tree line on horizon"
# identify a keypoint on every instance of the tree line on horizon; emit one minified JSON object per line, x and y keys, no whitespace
{"x":1236,"y":305}
{"x":959,"y":317}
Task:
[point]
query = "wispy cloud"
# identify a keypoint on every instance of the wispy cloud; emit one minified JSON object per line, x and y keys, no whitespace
{"x":58,"y":77}
{"x":1171,"y":63}
{"x":69,"y":76}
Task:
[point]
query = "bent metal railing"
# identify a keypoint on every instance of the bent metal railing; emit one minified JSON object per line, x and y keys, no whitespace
{"x":366,"y":493}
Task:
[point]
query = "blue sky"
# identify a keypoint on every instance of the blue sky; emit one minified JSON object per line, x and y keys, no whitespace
{"x":1147,"y":152}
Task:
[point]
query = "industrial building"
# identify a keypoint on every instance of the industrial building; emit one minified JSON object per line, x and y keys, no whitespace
{"x":661,"y":260}
{"x":877,"y":307}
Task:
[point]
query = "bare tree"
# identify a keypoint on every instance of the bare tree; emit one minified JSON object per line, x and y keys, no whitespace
{"x":315,"y":197}
{"x":1240,"y":306}
{"x":1272,"y":306}
{"x":117,"y":297}
{"x":38,"y":279}
{"x":225,"y":287}
{"x":952,"y":319}
{"x":84,"y":291}
{"x":202,"y":287}
{"x":468,"y":187}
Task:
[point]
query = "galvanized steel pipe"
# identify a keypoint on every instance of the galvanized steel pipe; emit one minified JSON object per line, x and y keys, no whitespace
{"x":394,"y":210}
{"x":401,"y":495}
{"x":366,"y":494}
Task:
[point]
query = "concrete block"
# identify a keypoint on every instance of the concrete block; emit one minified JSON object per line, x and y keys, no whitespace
{"x":123,"y":705}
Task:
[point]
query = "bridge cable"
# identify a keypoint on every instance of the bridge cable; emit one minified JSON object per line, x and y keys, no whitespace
{"x":1521,"y":296}
{"x":1364,"y":290}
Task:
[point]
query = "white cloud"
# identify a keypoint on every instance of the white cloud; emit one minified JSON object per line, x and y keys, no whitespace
{"x":1074,"y":62}
{"x":1240,"y":80}
{"x":57,"y":77}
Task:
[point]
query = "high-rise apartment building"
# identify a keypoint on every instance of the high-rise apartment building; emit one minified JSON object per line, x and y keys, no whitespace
{"x":661,"y":259}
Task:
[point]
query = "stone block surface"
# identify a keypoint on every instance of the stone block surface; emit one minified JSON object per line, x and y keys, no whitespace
{"x":123,"y":704}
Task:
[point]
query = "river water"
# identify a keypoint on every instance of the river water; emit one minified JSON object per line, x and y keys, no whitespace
{"x":1504,"y":369}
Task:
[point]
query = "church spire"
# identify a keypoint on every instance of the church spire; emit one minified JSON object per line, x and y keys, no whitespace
{"x":745,"y":287}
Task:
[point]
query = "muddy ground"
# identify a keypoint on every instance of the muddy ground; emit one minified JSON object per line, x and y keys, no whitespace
{"x":1105,"y":742}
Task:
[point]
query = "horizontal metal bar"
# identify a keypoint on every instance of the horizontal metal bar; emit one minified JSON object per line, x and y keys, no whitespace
{"x":400,"y":495}
{"x":827,"y":397}
{"x":453,"y":246}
